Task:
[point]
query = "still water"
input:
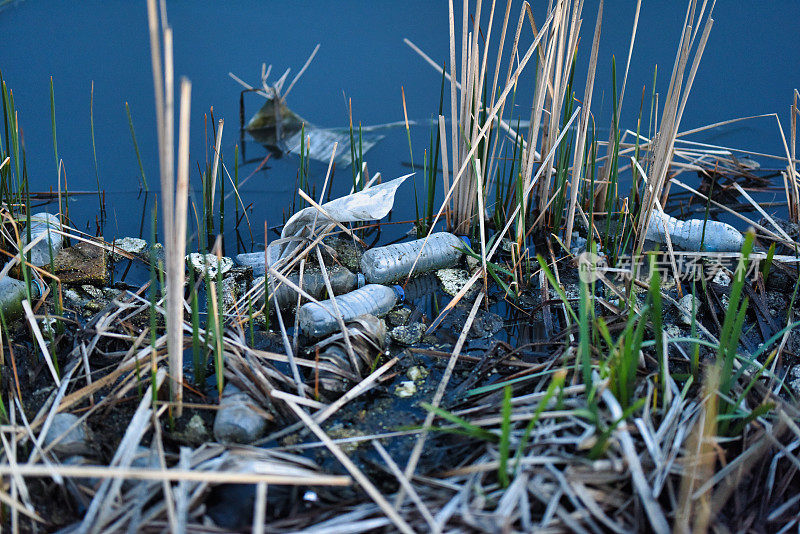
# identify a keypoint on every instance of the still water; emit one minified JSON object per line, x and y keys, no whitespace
{"x":750,"y":67}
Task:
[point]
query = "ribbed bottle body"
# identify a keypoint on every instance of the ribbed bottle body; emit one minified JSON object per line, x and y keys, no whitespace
{"x":389,"y":264}
{"x":317,"y":320}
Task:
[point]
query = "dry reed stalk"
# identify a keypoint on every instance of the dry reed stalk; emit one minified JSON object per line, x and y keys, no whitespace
{"x":174,"y":200}
{"x":674,"y":105}
{"x":698,"y":465}
{"x":583,"y":128}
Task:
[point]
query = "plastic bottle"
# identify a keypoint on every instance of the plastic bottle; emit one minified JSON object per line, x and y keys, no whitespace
{"x":384,"y":265}
{"x":317,"y":320}
{"x":342,"y":281}
{"x":688,"y":235}
{"x":12,"y":293}
{"x":47,"y":247}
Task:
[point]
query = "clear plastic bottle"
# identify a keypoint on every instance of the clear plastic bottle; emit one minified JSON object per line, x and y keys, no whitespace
{"x":317,"y":320}
{"x":342,"y":281}
{"x":385,"y":265}
{"x":688,"y":235}
{"x":48,"y":246}
{"x":12,"y":293}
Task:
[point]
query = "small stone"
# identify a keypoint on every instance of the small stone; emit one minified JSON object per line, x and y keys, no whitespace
{"x":84,"y":263}
{"x":405,"y":389}
{"x":198,"y":262}
{"x":686,"y":306}
{"x":236,"y":421}
{"x":76,"y":440}
{"x":398,"y":316}
{"x":196,"y":431}
{"x":408,"y":335}
{"x":230,"y":293}
{"x":673,"y":331}
{"x":472,"y":262}
{"x":722,"y":278}
{"x":794,"y":385}
{"x":417,"y":373}
{"x":131,"y":245}
{"x":453,"y":280}
{"x":92,"y":291}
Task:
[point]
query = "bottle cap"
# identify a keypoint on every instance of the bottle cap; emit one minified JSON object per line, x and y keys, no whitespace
{"x":360,"y":281}
{"x":466,"y":240}
{"x":401,"y":294}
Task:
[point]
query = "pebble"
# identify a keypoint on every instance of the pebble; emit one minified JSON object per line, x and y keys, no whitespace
{"x":408,"y":335}
{"x":398,"y":316}
{"x":685,"y":307}
{"x":405,"y":389}
{"x":75,"y":442}
{"x":722,"y":278}
{"x":794,"y":380}
{"x":236,"y":421}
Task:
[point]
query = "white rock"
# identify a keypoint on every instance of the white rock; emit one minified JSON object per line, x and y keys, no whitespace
{"x":405,"y":389}
{"x":131,"y":245}
{"x":199,"y":261}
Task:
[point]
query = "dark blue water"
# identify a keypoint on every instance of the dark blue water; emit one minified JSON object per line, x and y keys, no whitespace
{"x":750,"y":67}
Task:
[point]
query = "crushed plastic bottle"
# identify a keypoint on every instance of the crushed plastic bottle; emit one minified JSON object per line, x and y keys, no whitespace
{"x":688,"y":235}
{"x":47,"y":247}
{"x":317,"y":320}
{"x":385,"y":265}
{"x":12,"y":293}
{"x":342,"y":281}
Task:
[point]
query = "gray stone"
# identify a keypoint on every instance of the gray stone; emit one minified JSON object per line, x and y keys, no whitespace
{"x":236,"y":421}
{"x":76,"y":440}
{"x":408,"y":335}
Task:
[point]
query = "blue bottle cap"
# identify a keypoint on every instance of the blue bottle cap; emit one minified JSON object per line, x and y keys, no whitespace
{"x":400,"y":292}
{"x":466,"y":240}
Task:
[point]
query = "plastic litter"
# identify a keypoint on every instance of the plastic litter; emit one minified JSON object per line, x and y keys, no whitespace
{"x":12,"y":293}
{"x":318,"y":320}
{"x":342,"y":281}
{"x":384,"y":265}
{"x":688,"y":235}
{"x":45,"y":248}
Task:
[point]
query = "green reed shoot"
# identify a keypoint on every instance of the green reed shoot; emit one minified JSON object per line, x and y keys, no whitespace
{"x":198,"y":350}
{"x":505,"y":437}
{"x":135,"y":147}
{"x":94,"y":152}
